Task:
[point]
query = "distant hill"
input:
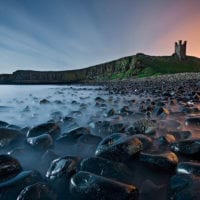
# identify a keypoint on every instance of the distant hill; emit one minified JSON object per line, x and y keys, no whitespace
{"x":139,"y":65}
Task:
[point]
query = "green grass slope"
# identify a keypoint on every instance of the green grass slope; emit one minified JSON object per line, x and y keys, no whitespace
{"x":144,"y":66}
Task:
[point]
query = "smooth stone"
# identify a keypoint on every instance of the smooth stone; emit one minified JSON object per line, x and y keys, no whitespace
{"x":73,"y":135}
{"x":167,"y":139}
{"x":85,"y":185}
{"x":41,"y":142}
{"x":195,"y":121}
{"x":9,"y":137}
{"x":11,"y":188}
{"x":50,"y":128}
{"x":3,"y":124}
{"x":181,"y":135}
{"x":118,"y":147}
{"x":63,"y":167}
{"x":146,"y":141}
{"x":100,"y":100}
{"x":46,"y":160}
{"x":184,"y":187}
{"x":117,"y":128}
{"x":37,"y":191}
{"x":160,"y":112}
{"x":106,"y":168}
{"x":89,"y":139}
{"x":44,"y":101}
{"x":188,"y":168}
{"x":9,"y":167}
{"x":188,"y":147}
{"x":166,"y":161}
{"x":151,"y":191}
{"x":111,"y":112}
{"x":143,"y":126}
{"x":100,"y":128}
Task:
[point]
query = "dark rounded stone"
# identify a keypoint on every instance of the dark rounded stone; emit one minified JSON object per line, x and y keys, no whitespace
{"x":37,"y":191}
{"x":50,"y":128}
{"x":118,"y":147}
{"x":11,"y":188}
{"x":9,"y":167}
{"x":100,"y":100}
{"x":9,"y":137}
{"x":143,"y":126}
{"x":111,"y":112}
{"x":106,"y":168}
{"x":146,"y":141}
{"x":187,"y":147}
{"x":166,"y":161}
{"x":195,"y":121}
{"x":3,"y":124}
{"x":89,"y":139}
{"x":41,"y":142}
{"x":85,"y":185}
{"x":44,"y":101}
{"x":188,"y":168}
{"x":181,"y":135}
{"x":167,"y":139}
{"x":184,"y":187}
{"x":73,"y":135}
{"x":63,"y":167}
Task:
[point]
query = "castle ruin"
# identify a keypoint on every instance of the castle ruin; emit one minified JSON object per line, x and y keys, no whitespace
{"x":180,"y":49}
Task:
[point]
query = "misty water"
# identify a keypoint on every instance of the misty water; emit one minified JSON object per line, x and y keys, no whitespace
{"x":20,"y":105}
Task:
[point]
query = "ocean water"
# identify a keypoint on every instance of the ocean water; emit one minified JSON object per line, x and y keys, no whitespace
{"x":20,"y":104}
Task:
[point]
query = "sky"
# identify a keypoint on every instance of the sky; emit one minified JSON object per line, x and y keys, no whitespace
{"x":71,"y":34}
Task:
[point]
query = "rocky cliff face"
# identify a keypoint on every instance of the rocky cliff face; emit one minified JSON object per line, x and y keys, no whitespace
{"x":93,"y":73}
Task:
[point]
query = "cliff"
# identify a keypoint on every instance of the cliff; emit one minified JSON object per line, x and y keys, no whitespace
{"x":139,"y":65}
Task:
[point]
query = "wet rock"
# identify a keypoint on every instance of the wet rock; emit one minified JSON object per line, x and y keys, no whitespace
{"x":160,"y":111}
{"x":150,"y":191}
{"x":195,"y":122}
{"x":37,"y":191}
{"x":146,"y":141}
{"x":192,"y":168}
{"x":111,"y":112}
{"x":62,"y":167}
{"x":166,"y":161}
{"x":117,"y":128}
{"x":60,"y":172}
{"x":126,"y":111}
{"x":143,"y":126}
{"x":181,"y":135}
{"x":9,"y":136}
{"x":3,"y":124}
{"x":41,"y":142}
{"x":73,"y":135}
{"x":100,"y":128}
{"x":89,"y":139}
{"x":109,"y":169}
{"x":11,"y":188}
{"x":44,"y":101}
{"x":9,"y":167}
{"x":118,"y":147}
{"x":46,"y":160}
{"x":169,"y":125}
{"x":85,"y":185}
{"x":167,"y":139}
{"x":49,"y":128}
{"x":188,"y":147}
{"x":100,"y":100}
{"x":183,"y":187}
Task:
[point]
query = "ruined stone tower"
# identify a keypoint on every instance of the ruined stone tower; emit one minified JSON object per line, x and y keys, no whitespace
{"x":180,"y":49}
